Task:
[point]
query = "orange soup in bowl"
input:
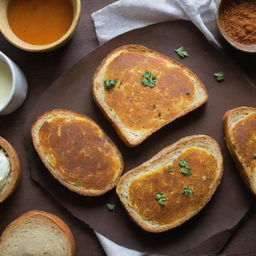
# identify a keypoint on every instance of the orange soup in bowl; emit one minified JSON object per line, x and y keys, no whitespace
{"x":40,"y":22}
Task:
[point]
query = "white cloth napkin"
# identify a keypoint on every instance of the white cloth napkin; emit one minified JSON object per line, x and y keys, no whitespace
{"x":126,"y":15}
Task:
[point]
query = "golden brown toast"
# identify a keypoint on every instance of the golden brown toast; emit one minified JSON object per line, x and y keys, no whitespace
{"x":140,"y":91}
{"x":174,"y":185}
{"x":240,"y":136}
{"x":77,"y":152}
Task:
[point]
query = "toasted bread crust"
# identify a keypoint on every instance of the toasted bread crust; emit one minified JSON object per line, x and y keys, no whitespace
{"x":53,"y":218}
{"x":128,"y":140}
{"x":243,"y":170}
{"x":15,"y":173}
{"x":80,"y":190}
{"x":161,"y":155}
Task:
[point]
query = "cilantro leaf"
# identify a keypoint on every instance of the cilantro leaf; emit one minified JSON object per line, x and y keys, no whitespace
{"x":219,"y":76}
{"x":185,"y":171}
{"x":187,"y":191}
{"x":181,"y":52}
{"x":184,"y":167}
{"x":161,"y":198}
{"x":148,"y":79}
{"x":110,"y":83}
{"x":183,"y":163}
{"x":111,"y":207}
{"x":254,"y":155}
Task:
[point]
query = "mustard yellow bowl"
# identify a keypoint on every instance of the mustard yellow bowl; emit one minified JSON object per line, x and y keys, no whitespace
{"x":13,"y":39}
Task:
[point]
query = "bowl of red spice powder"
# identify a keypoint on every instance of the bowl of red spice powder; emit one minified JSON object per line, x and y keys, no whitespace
{"x":236,"y":20}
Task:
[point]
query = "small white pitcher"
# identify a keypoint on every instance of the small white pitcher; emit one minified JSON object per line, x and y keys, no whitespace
{"x":18,"y":89}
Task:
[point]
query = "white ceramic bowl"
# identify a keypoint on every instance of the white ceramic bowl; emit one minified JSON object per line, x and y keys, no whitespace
{"x":18,"y":90}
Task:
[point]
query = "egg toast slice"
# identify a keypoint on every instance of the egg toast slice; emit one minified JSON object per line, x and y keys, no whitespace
{"x":140,"y":91}
{"x":240,"y":136}
{"x":174,"y":185}
{"x":77,"y":152}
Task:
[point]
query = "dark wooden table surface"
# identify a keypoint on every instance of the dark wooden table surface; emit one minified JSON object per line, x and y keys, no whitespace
{"x":41,"y":70}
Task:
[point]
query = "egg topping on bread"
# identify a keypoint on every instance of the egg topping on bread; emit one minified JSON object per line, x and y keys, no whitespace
{"x":77,"y":152}
{"x":174,"y":185}
{"x":140,"y":90}
{"x":138,"y":106}
{"x":244,"y":135}
{"x":171,"y":182}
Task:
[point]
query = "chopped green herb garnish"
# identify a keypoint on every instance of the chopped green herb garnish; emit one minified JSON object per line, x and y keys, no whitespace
{"x":184,"y":167}
{"x":111,"y":207}
{"x":148,"y":79}
{"x":183,"y":163}
{"x":219,"y":76}
{"x":185,"y":171}
{"x":187,"y":191}
{"x":78,"y":183}
{"x":161,"y":198}
{"x":254,"y":156}
{"x":154,"y":106}
{"x":169,"y":168}
{"x":110,"y":83}
{"x":181,"y":52}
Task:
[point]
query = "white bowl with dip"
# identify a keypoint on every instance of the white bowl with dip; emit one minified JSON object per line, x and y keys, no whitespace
{"x":5,"y":168}
{"x":13,"y":86}
{"x":10,"y":169}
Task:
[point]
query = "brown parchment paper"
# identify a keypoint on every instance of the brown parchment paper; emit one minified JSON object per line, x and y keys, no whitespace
{"x":73,"y":91}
